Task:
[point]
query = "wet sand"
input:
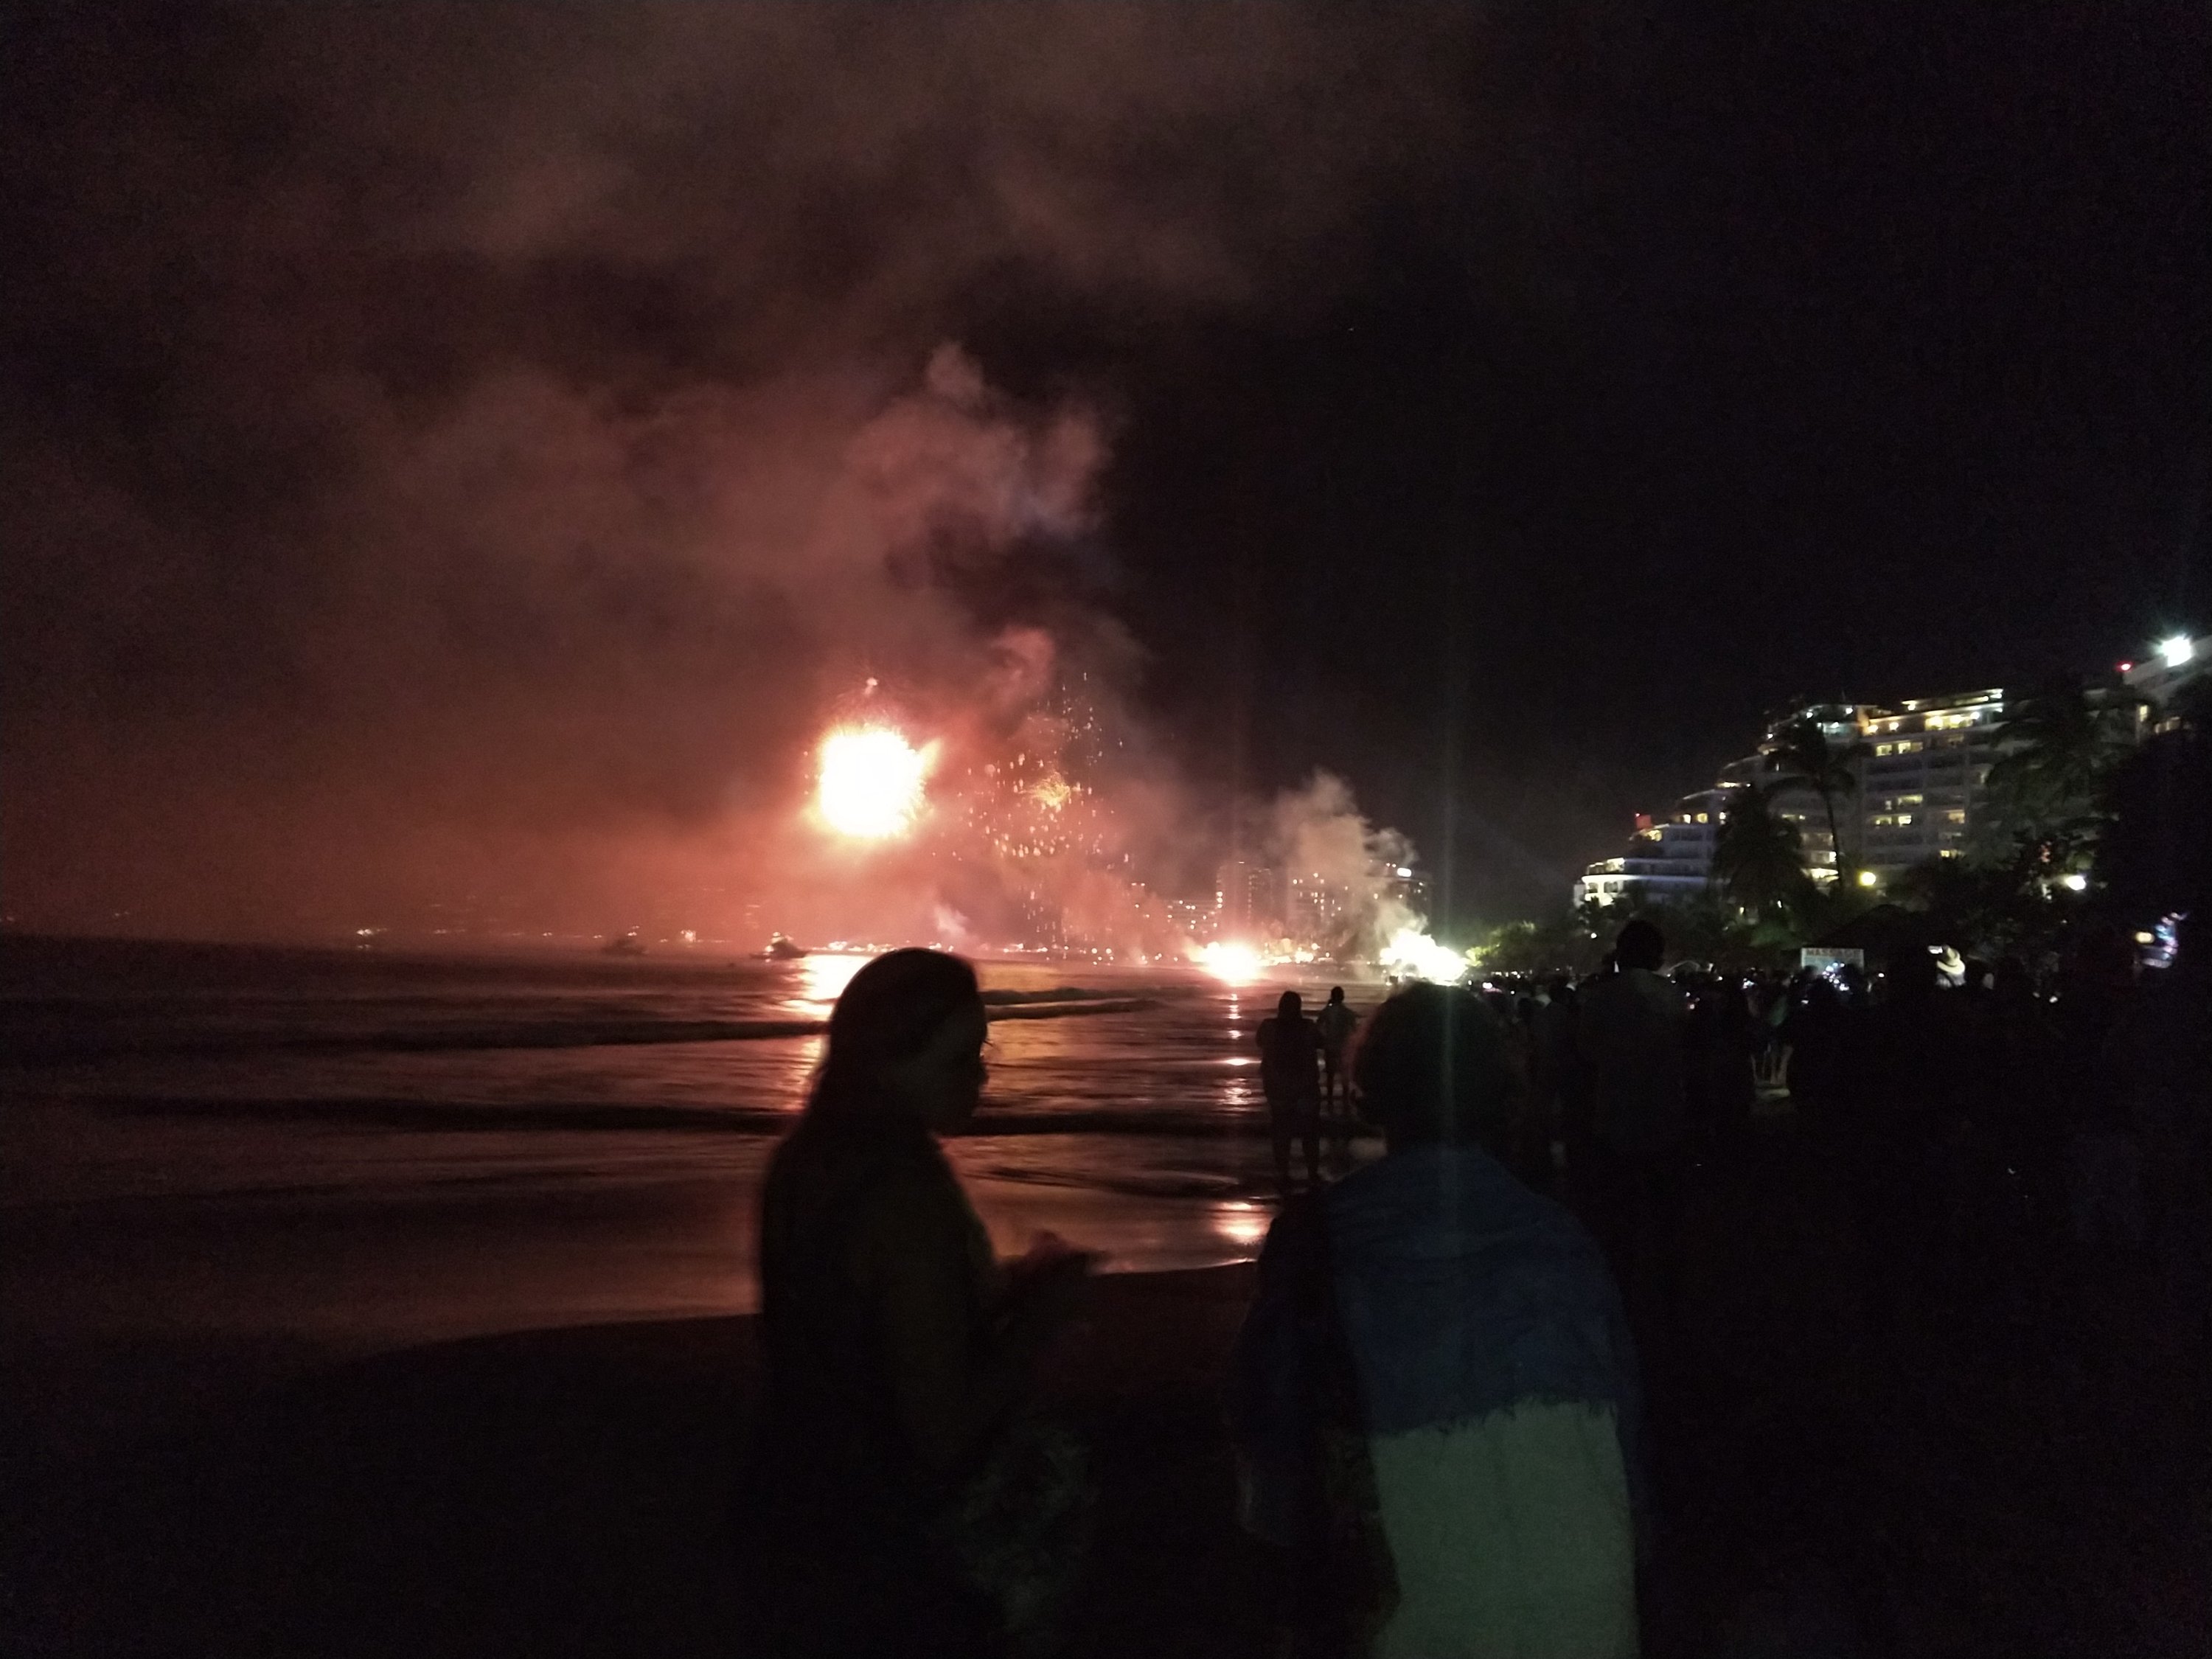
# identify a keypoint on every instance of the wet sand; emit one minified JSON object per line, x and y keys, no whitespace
{"x":2021,"y":1463}
{"x":557,"y":1491}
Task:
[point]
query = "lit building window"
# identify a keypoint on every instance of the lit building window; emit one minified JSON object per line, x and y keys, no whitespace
{"x":1956,"y":815}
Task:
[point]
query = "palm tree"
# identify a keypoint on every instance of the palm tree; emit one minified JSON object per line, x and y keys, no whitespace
{"x":2061,"y":745}
{"x":1802,"y":755}
{"x":1758,"y":856}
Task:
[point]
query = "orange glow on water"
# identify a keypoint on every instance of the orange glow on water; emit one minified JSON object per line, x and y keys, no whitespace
{"x":823,"y":977}
{"x":1241,"y":1223}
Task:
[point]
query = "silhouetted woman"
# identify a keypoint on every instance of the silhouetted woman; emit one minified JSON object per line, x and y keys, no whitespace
{"x":900,"y":1501}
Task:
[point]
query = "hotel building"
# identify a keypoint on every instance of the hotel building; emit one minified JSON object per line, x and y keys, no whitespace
{"x":1922,"y":793}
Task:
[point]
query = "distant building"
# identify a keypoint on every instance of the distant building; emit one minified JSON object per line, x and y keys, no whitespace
{"x":1315,"y":908}
{"x":1923,"y":785}
{"x":1404,"y":884}
{"x":1842,"y":724}
{"x":1192,"y":917}
{"x":1921,"y":792}
{"x":1248,"y":901}
{"x":1668,"y":858}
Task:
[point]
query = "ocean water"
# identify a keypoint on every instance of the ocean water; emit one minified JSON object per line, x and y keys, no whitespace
{"x":347,"y":1151}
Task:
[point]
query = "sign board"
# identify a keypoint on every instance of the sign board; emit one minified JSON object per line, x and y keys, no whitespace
{"x":1828,"y":959}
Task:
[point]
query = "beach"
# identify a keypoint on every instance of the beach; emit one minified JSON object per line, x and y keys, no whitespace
{"x":357,"y":1303}
{"x":393,"y":1340}
{"x":568,"y":1492}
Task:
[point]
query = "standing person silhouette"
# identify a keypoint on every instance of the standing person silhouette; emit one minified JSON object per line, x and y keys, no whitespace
{"x":1630,"y":1027}
{"x":1290,"y":1076}
{"x":1434,"y":1398}
{"x":1334,"y":1025}
{"x":901,"y":1499}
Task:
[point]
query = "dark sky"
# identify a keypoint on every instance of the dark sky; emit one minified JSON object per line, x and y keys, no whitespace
{"x":447,"y":441}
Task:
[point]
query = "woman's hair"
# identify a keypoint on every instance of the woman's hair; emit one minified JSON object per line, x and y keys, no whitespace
{"x":1432,"y":1065}
{"x":888,"y":1011}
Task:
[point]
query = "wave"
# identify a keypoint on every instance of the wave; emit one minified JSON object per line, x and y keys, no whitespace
{"x":1146,"y":994}
{"x":64,"y":1048}
{"x":592,"y":1116}
{"x":1075,"y":1010}
{"x":391,"y":1113}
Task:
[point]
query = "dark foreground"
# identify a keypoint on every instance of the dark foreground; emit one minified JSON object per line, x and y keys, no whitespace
{"x":2021,"y":1465}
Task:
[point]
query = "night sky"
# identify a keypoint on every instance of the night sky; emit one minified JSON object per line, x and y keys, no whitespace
{"x":463,"y":443}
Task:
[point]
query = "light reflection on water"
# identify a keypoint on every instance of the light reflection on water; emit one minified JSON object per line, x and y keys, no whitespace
{"x":822,"y":979}
{"x":1243,"y":1223}
{"x":1165,"y":1161}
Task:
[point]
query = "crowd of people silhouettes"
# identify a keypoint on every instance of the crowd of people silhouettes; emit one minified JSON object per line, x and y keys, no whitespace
{"x":1439,"y":1397}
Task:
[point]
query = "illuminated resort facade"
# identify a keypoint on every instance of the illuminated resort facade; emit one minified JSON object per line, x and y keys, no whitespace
{"x":1923,"y":785}
{"x":1922,"y":788}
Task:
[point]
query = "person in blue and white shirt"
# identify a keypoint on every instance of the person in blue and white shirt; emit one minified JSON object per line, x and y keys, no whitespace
{"x":1434,"y":1395}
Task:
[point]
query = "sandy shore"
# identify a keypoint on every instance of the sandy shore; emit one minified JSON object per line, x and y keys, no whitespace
{"x":2017,"y":1465}
{"x":558,"y":1491}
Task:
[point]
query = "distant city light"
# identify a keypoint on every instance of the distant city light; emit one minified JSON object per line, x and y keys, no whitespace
{"x":2177,"y":651}
{"x":1405,"y":872}
{"x":871,"y":782}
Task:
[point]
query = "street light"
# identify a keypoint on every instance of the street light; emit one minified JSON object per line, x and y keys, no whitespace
{"x":2074,"y":882}
{"x":1866,"y":879}
{"x":2177,"y":652}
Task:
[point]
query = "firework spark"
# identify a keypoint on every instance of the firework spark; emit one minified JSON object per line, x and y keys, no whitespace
{"x":1412,"y":954}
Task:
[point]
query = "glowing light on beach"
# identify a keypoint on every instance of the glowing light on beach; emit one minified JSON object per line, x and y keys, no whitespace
{"x":871,"y":785}
{"x":1243,"y":1223}
{"x":1228,"y":961}
{"x":1412,"y":954}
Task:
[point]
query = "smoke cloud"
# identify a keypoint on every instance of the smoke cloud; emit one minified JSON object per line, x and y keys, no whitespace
{"x":459,"y":458}
{"x":1317,"y":833}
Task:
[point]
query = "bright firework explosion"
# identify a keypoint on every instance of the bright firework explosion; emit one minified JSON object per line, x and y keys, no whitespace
{"x":871,"y":785}
{"x":1412,"y":954}
{"x":1237,"y":964}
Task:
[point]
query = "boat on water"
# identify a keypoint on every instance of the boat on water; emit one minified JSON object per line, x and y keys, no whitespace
{"x":624,"y":945}
{"x":781,"y":947}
